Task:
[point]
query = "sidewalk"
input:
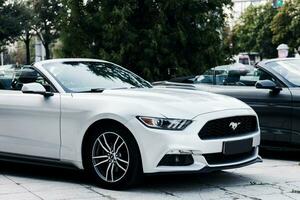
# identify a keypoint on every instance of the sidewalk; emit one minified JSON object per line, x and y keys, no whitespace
{"x":273,"y":179}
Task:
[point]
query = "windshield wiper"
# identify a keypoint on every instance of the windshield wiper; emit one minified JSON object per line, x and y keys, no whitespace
{"x":121,"y":88}
{"x":99,"y":90}
{"x":93,"y":90}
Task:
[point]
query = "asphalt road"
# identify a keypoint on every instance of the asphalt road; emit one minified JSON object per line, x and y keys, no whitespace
{"x":278,"y":177}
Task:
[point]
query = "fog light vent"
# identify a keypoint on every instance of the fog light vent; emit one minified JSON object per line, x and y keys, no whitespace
{"x":176,"y":160}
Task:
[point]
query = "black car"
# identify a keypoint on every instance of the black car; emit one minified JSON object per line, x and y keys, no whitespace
{"x":271,"y":88}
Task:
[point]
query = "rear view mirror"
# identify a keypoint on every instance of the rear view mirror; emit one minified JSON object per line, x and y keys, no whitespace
{"x":35,"y":88}
{"x":267,"y":84}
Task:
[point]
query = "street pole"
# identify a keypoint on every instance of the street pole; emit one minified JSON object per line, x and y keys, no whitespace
{"x":2,"y":59}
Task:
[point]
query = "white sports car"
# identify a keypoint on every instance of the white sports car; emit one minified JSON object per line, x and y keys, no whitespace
{"x":98,"y":116}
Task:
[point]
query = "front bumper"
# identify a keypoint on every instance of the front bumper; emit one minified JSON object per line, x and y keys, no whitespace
{"x":155,"y":144}
{"x":209,"y":169}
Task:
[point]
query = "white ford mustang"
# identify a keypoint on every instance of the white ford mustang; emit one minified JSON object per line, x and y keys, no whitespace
{"x":100,"y":117}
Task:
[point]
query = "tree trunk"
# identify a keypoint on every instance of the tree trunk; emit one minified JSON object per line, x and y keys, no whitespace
{"x":47,"y":50}
{"x":27,"y":45}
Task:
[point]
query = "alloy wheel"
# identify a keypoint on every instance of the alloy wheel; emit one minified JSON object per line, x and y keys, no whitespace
{"x":110,"y":157}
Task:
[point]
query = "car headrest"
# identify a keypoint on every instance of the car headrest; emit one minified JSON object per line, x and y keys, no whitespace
{"x":28,"y":76}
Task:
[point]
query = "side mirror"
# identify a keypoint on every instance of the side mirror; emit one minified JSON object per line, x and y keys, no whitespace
{"x":35,"y":88}
{"x":267,"y":84}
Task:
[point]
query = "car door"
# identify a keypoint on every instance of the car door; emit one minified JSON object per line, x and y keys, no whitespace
{"x":30,"y":123}
{"x":296,"y":117}
{"x":274,"y":109}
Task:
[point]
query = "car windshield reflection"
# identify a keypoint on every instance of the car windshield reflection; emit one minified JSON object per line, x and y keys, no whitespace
{"x":288,"y":69}
{"x":90,"y":76}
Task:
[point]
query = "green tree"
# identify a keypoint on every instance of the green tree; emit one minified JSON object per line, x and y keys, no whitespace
{"x":149,"y":37}
{"x":286,"y":25}
{"x":47,"y":21}
{"x":27,"y":22}
{"x":74,"y":35}
{"x":227,"y":45}
{"x":10,"y":27}
{"x":191,"y":38}
{"x":253,"y":31}
{"x":131,"y":34}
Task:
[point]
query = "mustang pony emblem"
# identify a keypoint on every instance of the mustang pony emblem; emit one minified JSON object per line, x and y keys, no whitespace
{"x":234,"y":125}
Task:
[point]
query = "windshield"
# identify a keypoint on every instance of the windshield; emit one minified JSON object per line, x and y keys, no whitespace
{"x":288,"y":69}
{"x":93,"y":76}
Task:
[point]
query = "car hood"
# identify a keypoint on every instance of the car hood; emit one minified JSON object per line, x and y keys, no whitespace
{"x":171,"y":103}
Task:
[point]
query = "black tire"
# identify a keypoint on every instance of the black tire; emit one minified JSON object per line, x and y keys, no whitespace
{"x":134,"y":169}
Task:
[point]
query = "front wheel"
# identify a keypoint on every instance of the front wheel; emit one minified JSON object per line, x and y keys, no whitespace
{"x":112,"y":158}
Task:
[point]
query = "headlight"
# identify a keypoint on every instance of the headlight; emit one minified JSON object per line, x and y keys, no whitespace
{"x":165,"y":123}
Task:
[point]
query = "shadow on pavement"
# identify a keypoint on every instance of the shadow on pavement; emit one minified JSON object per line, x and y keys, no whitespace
{"x":157,"y":182}
{"x":42,"y":172}
{"x":186,"y":182}
{"x":280,"y":155}
{"x":189,"y":182}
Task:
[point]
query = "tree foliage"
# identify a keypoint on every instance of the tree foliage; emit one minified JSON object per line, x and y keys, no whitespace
{"x":19,"y":18}
{"x":253,"y":31}
{"x":263,"y":28}
{"x":286,"y":25}
{"x":10,"y":27}
{"x":47,"y":21}
{"x":27,"y":24}
{"x":74,"y":37}
{"x":149,"y":37}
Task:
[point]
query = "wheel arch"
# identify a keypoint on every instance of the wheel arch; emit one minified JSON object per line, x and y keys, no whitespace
{"x":105,"y":122}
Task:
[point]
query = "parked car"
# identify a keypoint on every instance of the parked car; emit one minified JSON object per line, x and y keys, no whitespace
{"x":220,"y":75}
{"x":98,"y":116}
{"x":272,"y":89}
{"x":249,"y":58}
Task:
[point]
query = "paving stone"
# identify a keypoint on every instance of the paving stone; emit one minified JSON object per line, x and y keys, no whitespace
{"x":19,"y":196}
{"x":271,"y":180}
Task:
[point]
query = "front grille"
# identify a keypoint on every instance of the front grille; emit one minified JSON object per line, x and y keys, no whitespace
{"x":220,"y":158}
{"x":224,"y":127}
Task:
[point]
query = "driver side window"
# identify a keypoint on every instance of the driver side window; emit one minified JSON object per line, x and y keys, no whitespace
{"x":264,"y":76}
